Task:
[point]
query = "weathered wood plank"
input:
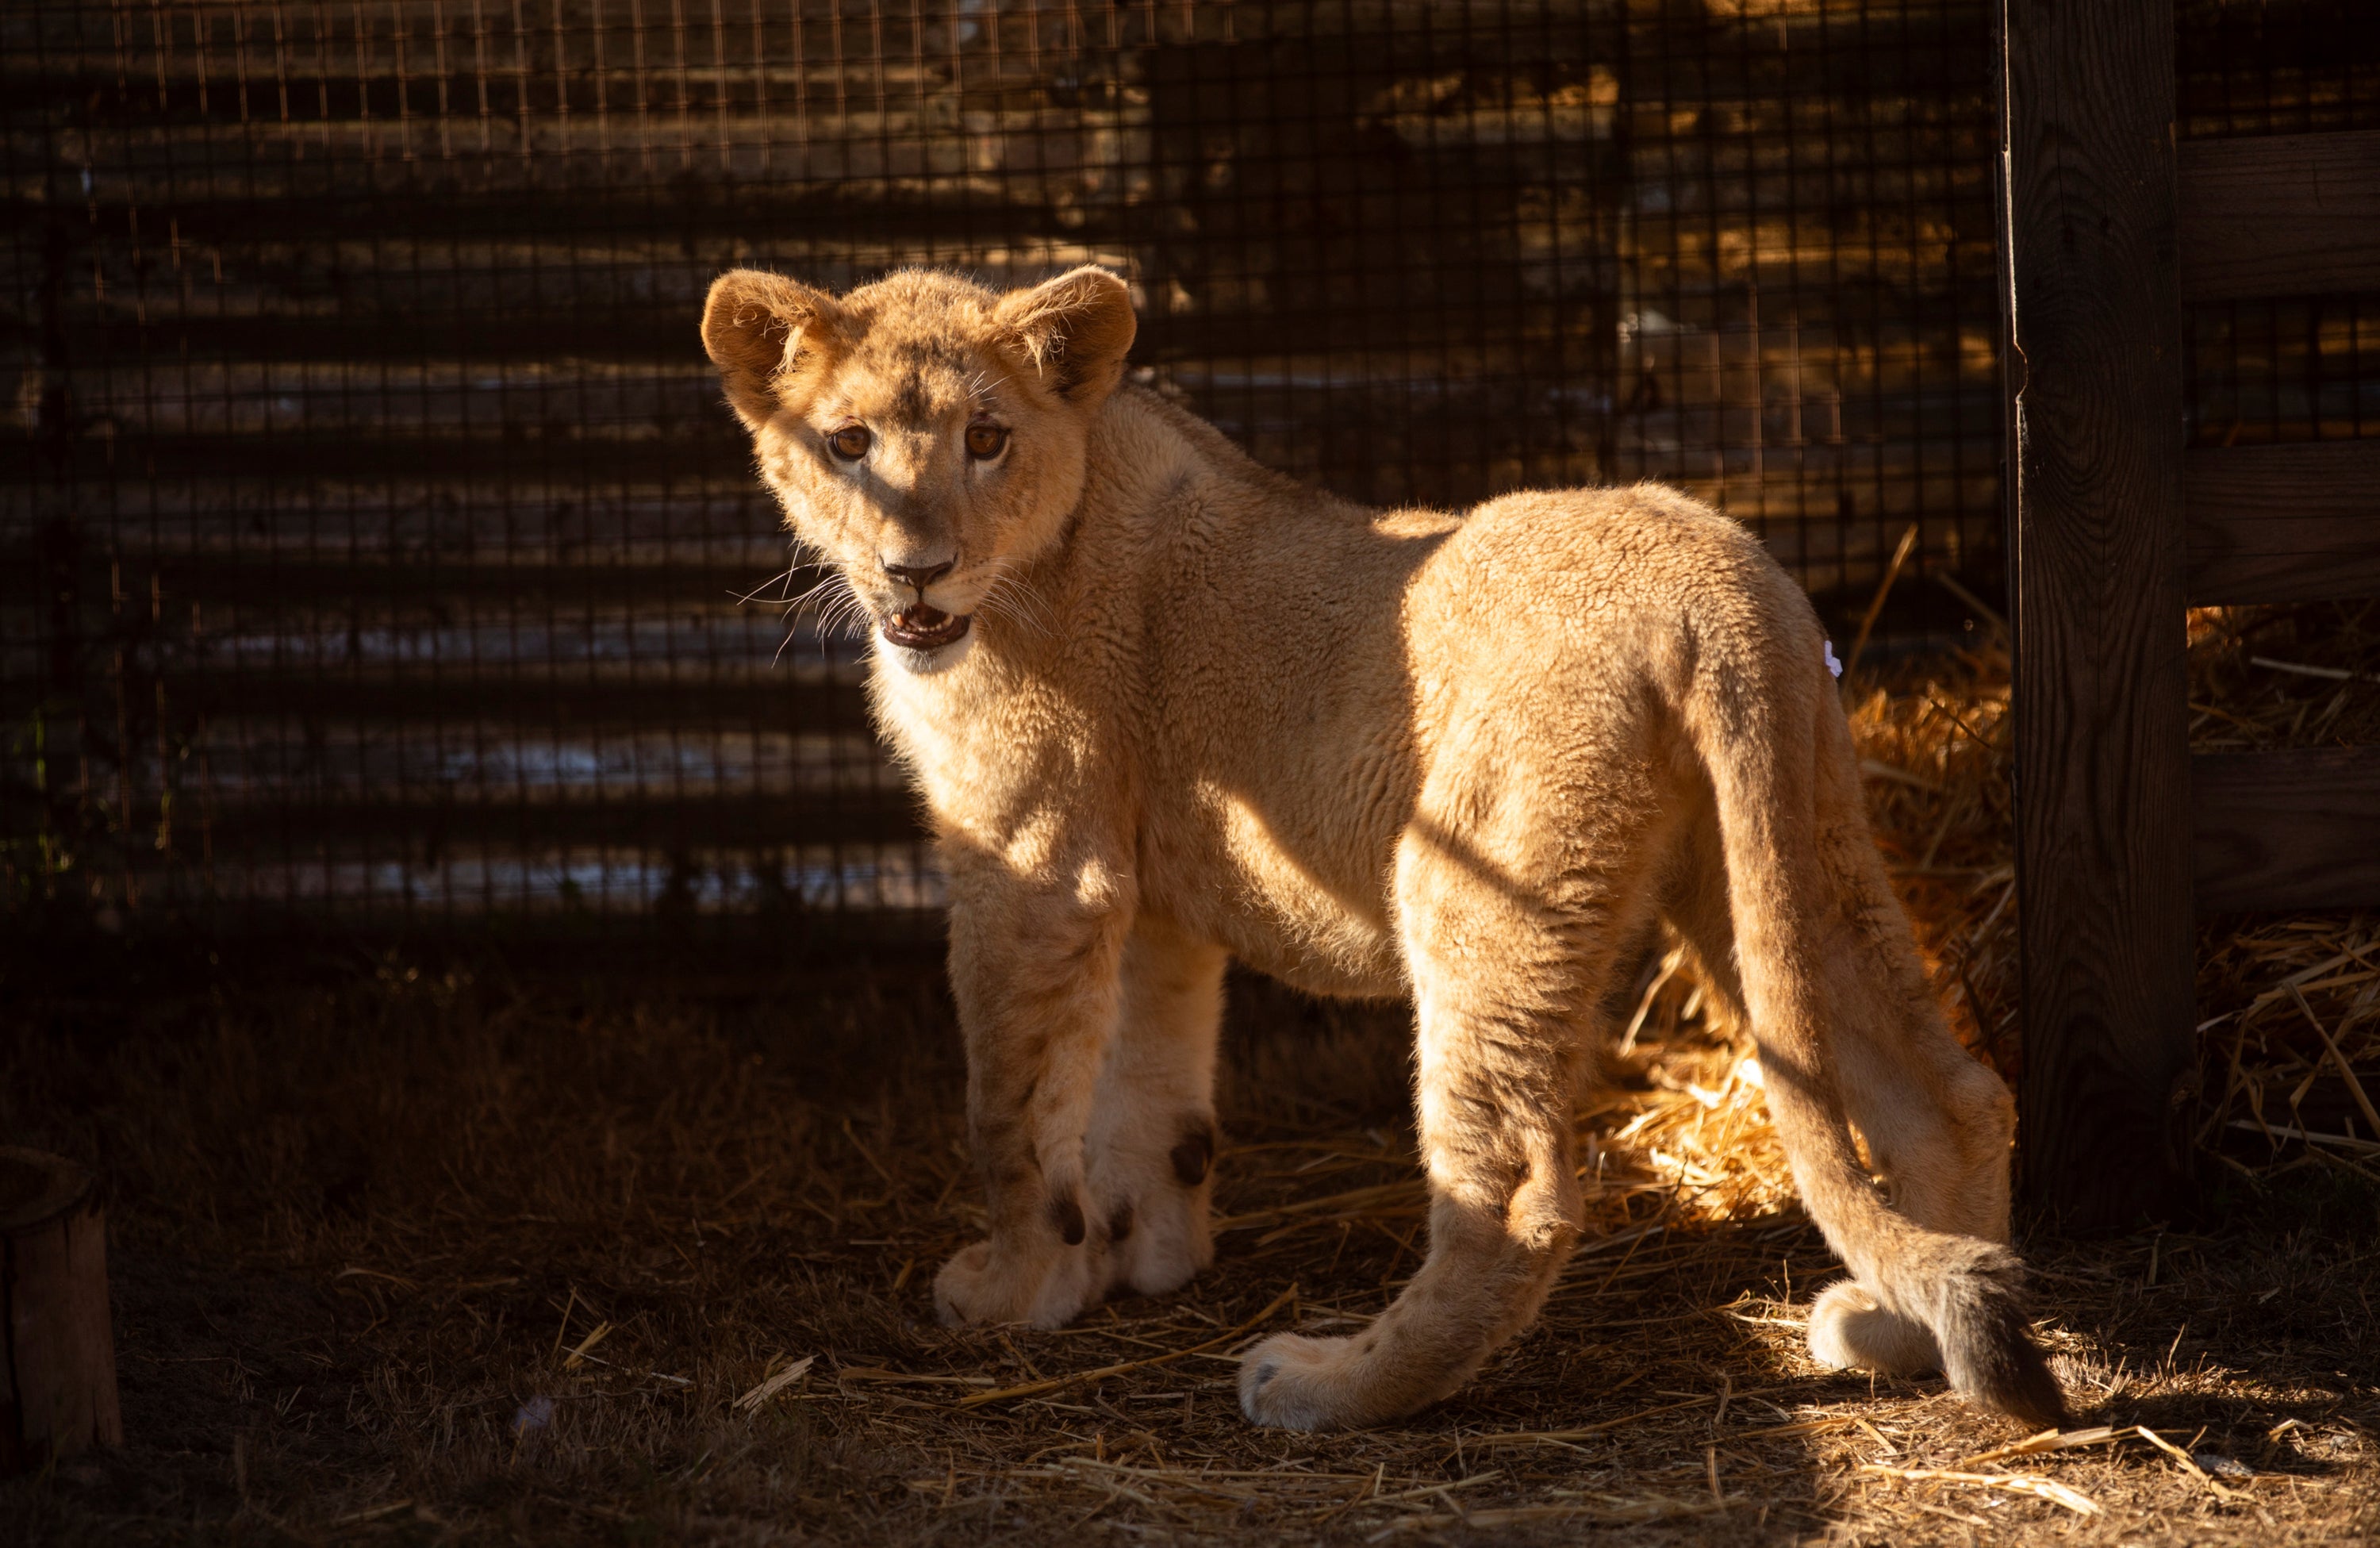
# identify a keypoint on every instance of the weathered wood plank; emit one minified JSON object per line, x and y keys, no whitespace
{"x":2285,"y":523}
{"x":2286,"y":830}
{"x":2102,"y":747}
{"x":2284,"y":214}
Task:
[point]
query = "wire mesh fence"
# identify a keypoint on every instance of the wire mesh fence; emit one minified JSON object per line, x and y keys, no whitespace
{"x":2304,"y":367}
{"x":377,"y":546}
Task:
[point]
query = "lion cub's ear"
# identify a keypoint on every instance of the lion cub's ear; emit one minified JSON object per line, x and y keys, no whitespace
{"x":761,"y":328}
{"x":1074,"y":330}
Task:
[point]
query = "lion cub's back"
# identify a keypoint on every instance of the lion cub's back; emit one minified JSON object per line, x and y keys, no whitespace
{"x":1564,"y":567}
{"x":1574,"y":601}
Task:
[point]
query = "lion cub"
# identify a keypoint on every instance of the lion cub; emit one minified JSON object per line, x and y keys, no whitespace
{"x":1168,"y":708}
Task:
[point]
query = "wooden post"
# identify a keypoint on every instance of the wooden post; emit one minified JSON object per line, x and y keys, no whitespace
{"x":2096,"y":576}
{"x":58,"y":1386}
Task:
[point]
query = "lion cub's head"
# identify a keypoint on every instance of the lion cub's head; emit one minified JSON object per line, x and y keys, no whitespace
{"x":927,"y":434}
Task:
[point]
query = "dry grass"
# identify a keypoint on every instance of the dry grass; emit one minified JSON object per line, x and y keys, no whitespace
{"x":421,"y":1256}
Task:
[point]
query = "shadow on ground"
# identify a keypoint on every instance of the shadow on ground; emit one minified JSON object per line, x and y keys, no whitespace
{"x":419,"y":1256}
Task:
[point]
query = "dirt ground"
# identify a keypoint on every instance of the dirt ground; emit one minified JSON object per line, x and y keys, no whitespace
{"x":362,"y":1228}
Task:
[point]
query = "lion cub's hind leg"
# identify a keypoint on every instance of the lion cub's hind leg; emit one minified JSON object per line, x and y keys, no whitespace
{"x":1938,"y":1124}
{"x":1152,"y":1139}
{"x":1848,"y":1331}
{"x":1849,"y":1328}
{"x":1500,"y":982}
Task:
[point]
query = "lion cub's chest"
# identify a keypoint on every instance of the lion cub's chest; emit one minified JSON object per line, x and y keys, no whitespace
{"x":1039,"y":787}
{"x":1021,"y":775}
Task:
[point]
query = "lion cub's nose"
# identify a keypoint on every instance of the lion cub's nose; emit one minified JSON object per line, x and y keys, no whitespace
{"x":919,"y":576}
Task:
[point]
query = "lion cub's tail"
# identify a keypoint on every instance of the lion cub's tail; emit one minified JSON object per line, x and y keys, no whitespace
{"x":1762,"y":746}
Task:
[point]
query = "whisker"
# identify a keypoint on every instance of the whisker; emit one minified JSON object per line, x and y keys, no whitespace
{"x":786,"y":576}
{"x":846,"y":615}
{"x":828,"y":591}
{"x":833,"y":609}
{"x":1003,"y":598}
{"x":826,"y":588}
{"x":1020,"y":600}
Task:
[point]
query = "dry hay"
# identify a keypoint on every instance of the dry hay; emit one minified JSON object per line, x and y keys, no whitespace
{"x":2290,"y":1006}
{"x":424,"y":1258}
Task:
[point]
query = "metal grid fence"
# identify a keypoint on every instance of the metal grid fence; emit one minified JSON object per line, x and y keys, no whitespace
{"x":375,"y":540}
{"x":2305,"y":367}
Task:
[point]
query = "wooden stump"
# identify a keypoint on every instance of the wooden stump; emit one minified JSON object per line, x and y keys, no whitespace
{"x":57,"y":1383}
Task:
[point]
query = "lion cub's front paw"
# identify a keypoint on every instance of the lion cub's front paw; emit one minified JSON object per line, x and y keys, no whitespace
{"x":1292,"y":1382}
{"x":1045,"y":1287}
{"x":1161,"y":1246}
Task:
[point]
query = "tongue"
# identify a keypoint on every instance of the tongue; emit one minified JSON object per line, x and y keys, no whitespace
{"x":922,"y":617}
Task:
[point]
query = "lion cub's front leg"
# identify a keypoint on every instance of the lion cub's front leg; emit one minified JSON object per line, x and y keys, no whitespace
{"x":1139,"y":1219}
{"x":1036,"y":974}
{"x":1152,"y":1139}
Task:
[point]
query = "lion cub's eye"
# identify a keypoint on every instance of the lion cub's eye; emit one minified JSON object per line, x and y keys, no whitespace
{"x":851,"y":443}
{"x":984,"y":441}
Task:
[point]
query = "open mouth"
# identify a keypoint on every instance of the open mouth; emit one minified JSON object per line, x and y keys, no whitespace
{"x":925,"y":628}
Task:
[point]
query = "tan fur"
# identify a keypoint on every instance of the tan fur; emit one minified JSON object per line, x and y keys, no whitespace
{"x":1203,"y":711}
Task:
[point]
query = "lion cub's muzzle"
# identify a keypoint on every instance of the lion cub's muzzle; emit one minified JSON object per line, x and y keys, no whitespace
{"x":920,"y":626}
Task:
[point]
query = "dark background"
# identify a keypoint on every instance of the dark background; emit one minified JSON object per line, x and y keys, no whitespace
{"x":372,"y":538}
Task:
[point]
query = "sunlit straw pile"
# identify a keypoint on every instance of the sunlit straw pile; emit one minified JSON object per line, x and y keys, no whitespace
{"x":2290,"y":1006}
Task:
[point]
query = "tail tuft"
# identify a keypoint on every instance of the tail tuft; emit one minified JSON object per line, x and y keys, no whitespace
{"x":1987,"y":1340}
